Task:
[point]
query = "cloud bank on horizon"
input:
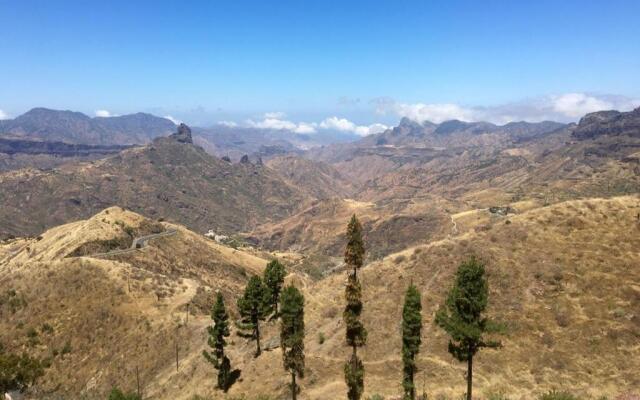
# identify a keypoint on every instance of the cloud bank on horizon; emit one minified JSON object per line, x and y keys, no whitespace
{"x":277,"y":121}
{"x":566,"y":107}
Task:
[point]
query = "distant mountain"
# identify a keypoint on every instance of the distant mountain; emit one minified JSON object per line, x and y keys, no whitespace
{"x":60,"y":149}
{"x":234,"y":142}
{"x":77,"y":128}
{"x":20,"y":153}
{"x":611,"y":123}
{"x":169,"y":178}
{"x":452,"y":134}
{"x":457,"y":133}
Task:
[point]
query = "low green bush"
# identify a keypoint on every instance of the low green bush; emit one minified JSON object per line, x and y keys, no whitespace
{"x":558,"y":395}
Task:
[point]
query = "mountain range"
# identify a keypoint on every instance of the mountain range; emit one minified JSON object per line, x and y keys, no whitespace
{"x":168,"y":178}
{"x":44,"y":124}
{"x":553,"y":209}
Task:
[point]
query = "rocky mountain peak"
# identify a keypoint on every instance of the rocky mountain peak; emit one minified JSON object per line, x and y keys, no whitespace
{"x":183,"y":135}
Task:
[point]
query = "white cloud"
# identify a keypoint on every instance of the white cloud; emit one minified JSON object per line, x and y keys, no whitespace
{"x":434,"y":112}
{"x":331,"y":123}
{"x":578,"y":104}
{"x":305,"y":128}
{"x":4,"y":115}
{"x":272,"y":122}
{"x":103,"y":113}
{"x":275,"y":115}
{"x":174,"y":120}
{"x":344,"y":125}
{"x":230,"y":124}
{"x":567,"y":107}
{"x":340,"y":124}
{"x":377,"y":128}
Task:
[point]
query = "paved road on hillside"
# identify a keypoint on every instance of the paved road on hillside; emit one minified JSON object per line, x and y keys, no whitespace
{"x":138,"y":243}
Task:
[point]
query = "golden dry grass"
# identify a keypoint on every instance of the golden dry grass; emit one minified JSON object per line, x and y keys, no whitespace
{"x":564,"y":279}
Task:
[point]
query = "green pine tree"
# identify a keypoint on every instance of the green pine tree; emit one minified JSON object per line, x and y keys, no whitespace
{"x":117,"y":394}
{"x":354,"y":252}
{"x":356,"y":334}
{"x":461,"y":316}
{"x":411,"y":340}
{"x":18,"y":372}
{"x":254,"y":306}
{"x":274,"y":275}
{"x":292,"y":334}
{"x":354,"y":377}
{"x":217,"y":334}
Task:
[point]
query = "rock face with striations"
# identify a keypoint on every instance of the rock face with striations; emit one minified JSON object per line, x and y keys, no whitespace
{"x":183,"y":135}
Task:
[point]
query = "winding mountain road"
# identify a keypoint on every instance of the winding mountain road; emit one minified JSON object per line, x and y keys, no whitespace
{"x":138,"y":243}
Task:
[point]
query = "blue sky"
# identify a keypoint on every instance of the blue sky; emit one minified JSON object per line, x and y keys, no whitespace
{"x":305,"y":62}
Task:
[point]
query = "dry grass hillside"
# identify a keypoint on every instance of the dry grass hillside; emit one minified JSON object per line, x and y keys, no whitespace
{"x":97,"y":319}
{"x":561,"y":279}
{"x":319,"y":179}
{"x":388,"y":227}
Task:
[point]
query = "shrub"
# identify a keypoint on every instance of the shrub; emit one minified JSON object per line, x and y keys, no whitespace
{"x":46,"y":328}
{"x":557,"y":395}
{"x":67,"y":348}
{"x":18,"y":372}
{"x":321,"y":338}
{"x":376,"y":397}
{"x":497,"y":396}
{"x":117,"y":394}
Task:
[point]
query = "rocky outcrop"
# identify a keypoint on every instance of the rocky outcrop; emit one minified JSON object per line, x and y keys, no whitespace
{"x":612,"y":123}
{"x":183,"y":135}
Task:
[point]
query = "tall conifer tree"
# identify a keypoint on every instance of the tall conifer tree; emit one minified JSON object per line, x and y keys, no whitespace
{"x":254,"y":306}
{"x":461,"y":316}
{"x":356,"y":334}
{"x":292,"y":334}
{"x":411,"y":339}
{"x":217,"y":334}
{"x":274,"y":275}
